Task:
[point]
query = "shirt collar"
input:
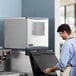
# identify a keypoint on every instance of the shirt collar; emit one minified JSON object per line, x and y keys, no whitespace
{"x":70,"y":37}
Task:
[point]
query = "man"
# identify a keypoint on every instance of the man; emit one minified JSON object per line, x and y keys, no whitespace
{"x":68,"y":52}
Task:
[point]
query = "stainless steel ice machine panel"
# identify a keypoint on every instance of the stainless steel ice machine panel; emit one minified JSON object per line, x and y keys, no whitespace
{"x":15,"y":33}
{"x":37,"y":31}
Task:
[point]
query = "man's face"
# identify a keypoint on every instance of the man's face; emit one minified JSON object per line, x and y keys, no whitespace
{"x":63,"y":35}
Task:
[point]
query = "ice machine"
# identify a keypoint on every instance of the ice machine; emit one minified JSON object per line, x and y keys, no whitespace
{"x":24,"y":32}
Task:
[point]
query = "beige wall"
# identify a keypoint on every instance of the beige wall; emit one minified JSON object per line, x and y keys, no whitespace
{"x":67,"y":2}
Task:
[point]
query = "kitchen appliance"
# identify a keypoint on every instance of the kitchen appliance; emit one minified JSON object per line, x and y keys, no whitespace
{"x":24,"y":32}
{"x":4,"y":60}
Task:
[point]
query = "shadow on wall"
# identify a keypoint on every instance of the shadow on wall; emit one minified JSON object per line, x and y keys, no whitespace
{"x":1,"y":33}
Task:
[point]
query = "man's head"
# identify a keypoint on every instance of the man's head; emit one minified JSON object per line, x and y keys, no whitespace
{"x":64,"y":31}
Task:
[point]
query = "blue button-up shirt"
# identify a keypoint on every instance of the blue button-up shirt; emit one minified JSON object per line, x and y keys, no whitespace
{"x":68,"y":53}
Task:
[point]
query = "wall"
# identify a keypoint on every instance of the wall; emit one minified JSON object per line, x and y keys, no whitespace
{"x":41,"y":8}
{"x":1,"y":33}
{"x":57,"y":37}
{"x":8,"y":8}
{"x":57,"y":22}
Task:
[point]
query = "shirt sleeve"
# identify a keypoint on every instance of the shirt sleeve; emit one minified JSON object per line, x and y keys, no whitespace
{"x":64,"y":58}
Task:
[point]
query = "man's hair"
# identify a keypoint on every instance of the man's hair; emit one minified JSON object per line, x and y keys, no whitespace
{"x":64,"y":27}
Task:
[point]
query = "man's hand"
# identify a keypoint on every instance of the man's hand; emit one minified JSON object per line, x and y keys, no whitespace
{"x":51,"y":69}
{"x":47,"y":70}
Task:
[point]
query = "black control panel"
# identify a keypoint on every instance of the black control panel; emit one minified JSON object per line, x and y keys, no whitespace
{"x":42,"y":59}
